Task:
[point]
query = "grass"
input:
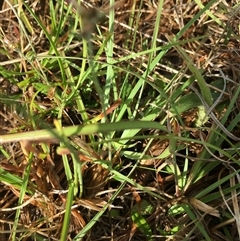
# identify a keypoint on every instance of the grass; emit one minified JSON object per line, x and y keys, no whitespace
{"x":119,"y":121}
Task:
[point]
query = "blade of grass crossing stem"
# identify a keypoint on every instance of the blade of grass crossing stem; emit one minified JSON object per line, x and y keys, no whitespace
{"x":153,"y":43}
{"x":21,"y":196}
{"x":64,"y":143}
{"x":74,"y":28}
{"x":25,"y":21}
{"x":210,"y":14}
{"x":67,"y":216}
{"x":132,"y":19}
{"x":5,"y":153}
{"x":53,"y":9}
{"x":141,"y":81}
{"x":52,"y":44}
{"x":90,"y":224}
{"x":218,"y":195}
{"x":79,"y":81}
{"x":12,"y":180}
{"x":82,"y":72}
{"x":232,"y":124}
{"x":131,"y":133}
{"x":156,"y":30}
{"x":198,"y":223}
{"x":82,"y":76}
{"x":87,"y":51}
{"x":53,"y":134}
{"x":138,"y":101}
{"x":77,"y":177}
{"x":210,"y":166}
{"x":210,"y":188}
{"x":194,"y":19}
{"x":24,"y":31}
{"x":205,"y":90}
{"x":184,"y":173}
{"x":78,"y":99}
{"x":214,"y":135}
{"x":66,"y":165}
{"x":21,"y":22}
{"x":123,"y":179}
{"x":94,"y":66}
{"x":166,"y":47}
{"x":93,"y":69}
{"x":152,"y":53}
{"x":199,"y":168}
{"x":78,"y":180}
{"x":110,"y":80}
{"x":32,"y":109}
{"x":61,"y":19}
{"x":207,"y":98}
{"x":230,"y":106}
{"x":174,"y":168}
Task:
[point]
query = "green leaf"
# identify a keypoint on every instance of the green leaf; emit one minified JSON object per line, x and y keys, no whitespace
{"x":142,"y":224}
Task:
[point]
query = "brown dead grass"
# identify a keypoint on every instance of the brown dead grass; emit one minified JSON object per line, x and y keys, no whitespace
{"x":48,"y":206}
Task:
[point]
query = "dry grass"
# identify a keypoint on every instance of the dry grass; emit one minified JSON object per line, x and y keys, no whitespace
{"x":31,"y":91}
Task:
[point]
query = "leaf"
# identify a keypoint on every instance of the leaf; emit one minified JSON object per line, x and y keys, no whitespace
{"x":139,"y":221}
{"x":204,"y":207}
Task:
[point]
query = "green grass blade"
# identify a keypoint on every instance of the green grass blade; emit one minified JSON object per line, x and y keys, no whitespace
{"x":81,"y":130}
{"x":67,"y":216}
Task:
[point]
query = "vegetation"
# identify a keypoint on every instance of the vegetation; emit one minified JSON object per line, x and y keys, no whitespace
{"x":119,"y":120}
